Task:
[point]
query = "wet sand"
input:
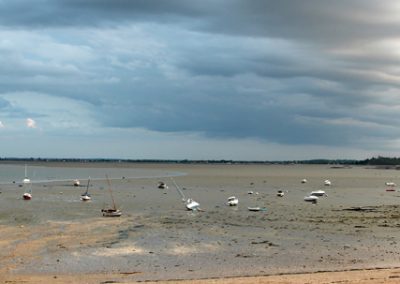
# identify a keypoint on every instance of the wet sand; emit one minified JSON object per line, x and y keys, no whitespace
{"x":56,"y":236}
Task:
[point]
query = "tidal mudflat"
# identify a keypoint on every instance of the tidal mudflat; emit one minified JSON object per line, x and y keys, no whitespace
{"x":157,"y":239}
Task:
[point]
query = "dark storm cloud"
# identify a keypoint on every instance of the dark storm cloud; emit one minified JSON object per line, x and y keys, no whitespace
{"x":45,"y":13}
{"x":293,"y":72}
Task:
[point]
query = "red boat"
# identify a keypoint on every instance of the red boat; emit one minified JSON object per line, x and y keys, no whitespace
{"x":27,"y":196}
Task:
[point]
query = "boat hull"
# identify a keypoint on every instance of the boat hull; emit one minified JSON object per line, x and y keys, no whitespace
{"x":27,"y":196}
{"x":232,"y":201}
{"x":111,"y":213}
{"x":85,"y":198}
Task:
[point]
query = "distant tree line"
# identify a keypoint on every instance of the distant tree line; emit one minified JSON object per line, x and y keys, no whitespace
{"x":381,"y":161}
{"x":372,"y":161}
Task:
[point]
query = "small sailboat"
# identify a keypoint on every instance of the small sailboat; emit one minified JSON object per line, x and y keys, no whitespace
{"x":28,"y":194}
{"x":77,"y":182}
{"x":327,"y":182}
{"x":27,"y":183}
{"x":232,"y":201}
{"x":190,"y":204}
{"x":26,"y":180}
{"x":111,"y":212}
{"x":86,"y":196}
{"x":304,"y":180}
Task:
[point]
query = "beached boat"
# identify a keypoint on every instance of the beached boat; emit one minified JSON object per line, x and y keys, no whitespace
{"x":232,"y":201}
{"x":318,"y":193}
{"x":77,"y":182}
{"x":111,"y":212}
{"x":389,"y":183}
{"x":304,"y":180}
{"x":255,"y":209}
{"x":311,"y":198}
{"x":27,"y":196}
{"x":190,"y":204}
{"x":27,"y":183}
{"x":162,"y":185}
{"x":280,"y":193}
{"x":86,"y":196}
{"x":327,"y":182}
{"x":26,"y":180}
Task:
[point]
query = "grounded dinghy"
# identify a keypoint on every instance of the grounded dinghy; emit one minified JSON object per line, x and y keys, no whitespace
{"x":327,"y":182}
{"x":311,"y":198}
{"x":27,"y":196}
{"x":280,"y":193}
{"x":232,"y":201}
{"x":318,"y":193}
{"x":255,"y":209}
{"x":162,"y":185}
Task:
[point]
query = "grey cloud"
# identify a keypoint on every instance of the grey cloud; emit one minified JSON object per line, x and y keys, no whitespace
{"x":290,"y":72}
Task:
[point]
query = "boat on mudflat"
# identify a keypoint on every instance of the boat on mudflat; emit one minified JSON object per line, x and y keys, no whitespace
{"x":111,"y":212}
{"x":255,"y":209}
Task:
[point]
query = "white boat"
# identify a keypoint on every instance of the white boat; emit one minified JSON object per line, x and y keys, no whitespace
{"x":111,"y":212}
{"x":304,"y":180}
{"x":318,"y":193}
{"x":311,"y":198}
{"x":280,"y":193}
{"x":86,"y":196}
{"x":255,"y":209}
{"x":389,"y":183}
{"x":77,"y":182}
{"x":190,"y":204}
{"x":232,"y":201}
{"x":27,"y":196}
{"x":26,"y":180}
{"x":327,"y":182}
{"x":27,"y":183}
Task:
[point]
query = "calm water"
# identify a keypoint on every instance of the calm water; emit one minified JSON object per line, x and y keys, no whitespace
{"x":10,"y":173}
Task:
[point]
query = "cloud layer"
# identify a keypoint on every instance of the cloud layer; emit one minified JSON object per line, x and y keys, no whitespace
{"x":284,"y":74}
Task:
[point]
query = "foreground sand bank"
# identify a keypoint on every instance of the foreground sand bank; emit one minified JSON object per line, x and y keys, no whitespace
{"x":370,"y":276}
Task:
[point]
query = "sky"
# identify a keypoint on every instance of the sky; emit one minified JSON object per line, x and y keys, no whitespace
{"x":210,"y":79}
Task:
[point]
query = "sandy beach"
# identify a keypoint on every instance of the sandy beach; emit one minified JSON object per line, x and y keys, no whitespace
{"x":57,"y":238}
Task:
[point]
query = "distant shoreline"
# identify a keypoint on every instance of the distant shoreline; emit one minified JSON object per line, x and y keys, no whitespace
{"x":335,"y":163}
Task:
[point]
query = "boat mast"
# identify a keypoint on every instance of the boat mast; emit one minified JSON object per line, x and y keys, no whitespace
{"x":109,"y":189}
{"x":87,"y":187}
{"x":179,"y":190}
